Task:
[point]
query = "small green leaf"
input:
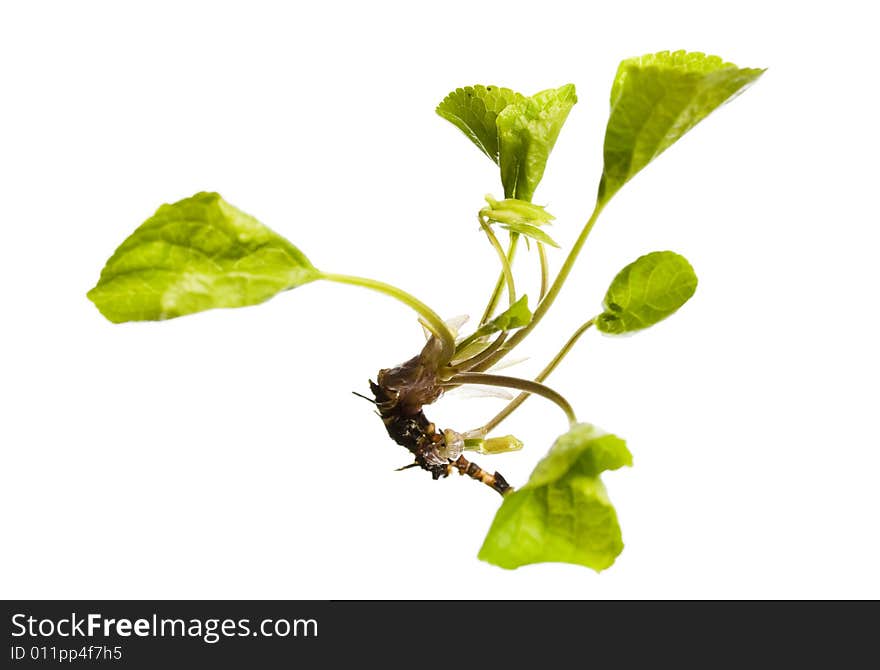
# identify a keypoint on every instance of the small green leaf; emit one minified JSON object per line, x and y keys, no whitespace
{"x":563,"y":513}
{"x":197,"y":254}
{"x":655,"y":99}
{"x":517,"y":315}
{"x":519,"y":216}
{"x":531,"y":231}
{"x":646,"y":291}
{"x":474,"y":109}
{"x":527,"y":131}
{"x":515,"y":211}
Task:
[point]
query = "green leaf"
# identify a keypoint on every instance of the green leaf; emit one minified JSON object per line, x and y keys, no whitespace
{"x":474,"y":109}
{"x":531,"y":231}
{"x":517,"y":315}
{"x":527,"y":131}
{"x":197,"y":254}
{"x":519,"y":216}
{"x":647,"y":291}
{"x":515,"y":211}
{"x":655,"y":99}
{"x":563,"y":513}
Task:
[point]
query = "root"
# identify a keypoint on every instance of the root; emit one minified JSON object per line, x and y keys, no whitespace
{"x":494,"y":481}
{"x":400,"y":393}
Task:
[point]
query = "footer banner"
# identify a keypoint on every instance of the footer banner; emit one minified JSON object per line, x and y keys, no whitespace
{"x":276,"y":633}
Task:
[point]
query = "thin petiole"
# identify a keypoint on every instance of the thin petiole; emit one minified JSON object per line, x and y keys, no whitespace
{"x":476,"y":359}
{"x":431,"y":319}
{"x":499,"y":285}
{"x":554,"y":290}
{"x":542,"y":257}
{"x":526,"y":385}
{"x":467,"y":342}
{"x":522,"y":397}
{"x":505,"y":263}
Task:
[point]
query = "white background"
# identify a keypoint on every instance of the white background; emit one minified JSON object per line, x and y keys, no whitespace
{"x":223,"y":455}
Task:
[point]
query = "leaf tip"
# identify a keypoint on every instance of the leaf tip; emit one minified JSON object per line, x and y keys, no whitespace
{"x":94,"y":296}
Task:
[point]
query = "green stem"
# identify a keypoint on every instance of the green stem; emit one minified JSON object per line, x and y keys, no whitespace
{"x":522,"y":397}
{"x":555,"y":288}
{"x":499,"y":285}
{"x":435,"y":323}
{"x":468,"y":341}
{"x":476,"y":359}
{"x":542,"y":257}
{"x":505,"y":264}
{"x":525,"y":385}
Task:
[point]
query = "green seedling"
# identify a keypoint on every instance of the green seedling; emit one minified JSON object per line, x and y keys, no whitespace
{"x":201,"y":253}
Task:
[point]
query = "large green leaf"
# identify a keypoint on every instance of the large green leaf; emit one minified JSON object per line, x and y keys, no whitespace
{"x":646,"y":291}
{"x":474,"y":109}
{"x":197,"y":254}
{"x":655,"y":99}
{"x":527,"y":130}
{"x":563,"y":512}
